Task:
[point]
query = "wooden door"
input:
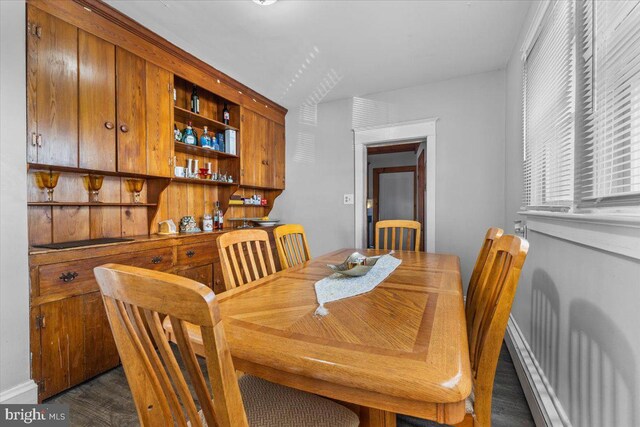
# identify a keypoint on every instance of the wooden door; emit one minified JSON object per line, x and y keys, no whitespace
{"x":131,"y":104}
{"x":62,"y":345}
{"x":100,"y":351}
{"x":266,"y":154}
{"x":277,"y":160}
{"x":202,"y":274}
{"x":52,"y":90}
{"x":97,"y":102}
{"x":255,"y":136}
{"x":159,"y":106}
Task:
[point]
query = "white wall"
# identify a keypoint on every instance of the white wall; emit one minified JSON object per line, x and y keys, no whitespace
{"x":568,"y":291}
{"x":470,"y":161}
{"x":15,"y":386}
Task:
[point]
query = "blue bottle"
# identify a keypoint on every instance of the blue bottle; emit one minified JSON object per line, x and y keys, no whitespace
{"x":220,"y":138}
{"x":205,"y":139}
{"x":189,"y":136}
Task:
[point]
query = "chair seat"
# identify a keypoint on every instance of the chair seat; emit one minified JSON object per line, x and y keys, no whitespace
{"x":271,"y":405}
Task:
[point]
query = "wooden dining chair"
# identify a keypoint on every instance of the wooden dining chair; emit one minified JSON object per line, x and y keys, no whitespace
{"x":245,"y":256}
{"x":412,"y":228}
{"x":291,"y":242}
{"x":495,"y":291}
{"x":490,"y":238}
{"x":135,"y":298}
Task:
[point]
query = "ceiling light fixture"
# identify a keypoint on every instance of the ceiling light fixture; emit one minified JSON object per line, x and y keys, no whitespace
{"x":264,"y":2}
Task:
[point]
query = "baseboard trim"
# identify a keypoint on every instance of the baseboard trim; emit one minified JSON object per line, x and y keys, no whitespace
{"x":24,"y":393}
{"x":545,"y":406}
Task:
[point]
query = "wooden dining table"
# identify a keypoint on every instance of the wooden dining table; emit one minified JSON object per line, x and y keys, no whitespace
{"x":400,"y":348}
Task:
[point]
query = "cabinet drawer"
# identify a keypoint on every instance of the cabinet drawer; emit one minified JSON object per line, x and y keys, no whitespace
{"x":197,"y":254}
{"x":76,"y":277}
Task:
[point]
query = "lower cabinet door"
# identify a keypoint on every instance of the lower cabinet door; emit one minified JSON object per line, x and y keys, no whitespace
{"x":218,"y":279}
{"x":203,"y":274}
{"x":100,"y":351}
{"x":62,"y":345}
{"x":76,"y":343}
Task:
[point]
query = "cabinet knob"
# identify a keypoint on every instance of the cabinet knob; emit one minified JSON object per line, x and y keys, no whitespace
{"x":69,"y":276}
{"x":190,"y":253}
{"x":124,"y":128}
{"x":156,"y":260}
{"x":108,"y":125}
{"x":34,"y":139}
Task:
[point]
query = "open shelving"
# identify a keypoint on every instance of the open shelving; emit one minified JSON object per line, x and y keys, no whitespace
{"x":195,"y":150}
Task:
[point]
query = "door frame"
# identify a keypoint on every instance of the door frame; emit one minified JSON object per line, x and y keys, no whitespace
{"x":376,"y":188}
{"x":388,"y":135}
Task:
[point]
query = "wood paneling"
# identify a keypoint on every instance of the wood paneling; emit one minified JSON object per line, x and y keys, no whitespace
{"x":70,"y":223}
{"x":131,"y":104}
{"x":53,"y":74}
{"x":40,"y":225}
{"x":97,"y":102}
{"x":159,"y":110}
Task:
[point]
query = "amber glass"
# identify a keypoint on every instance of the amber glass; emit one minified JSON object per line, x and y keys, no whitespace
{"x":48,"y":180}
{"x":135,"y":186}
{"x":94,"y":184}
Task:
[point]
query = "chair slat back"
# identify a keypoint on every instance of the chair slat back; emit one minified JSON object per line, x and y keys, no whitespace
{"x":245,"y":256}
{"x":400,"y":240}
{"x":291,"y":242}
{"x":495,"y":291}
{"x":490,"y":238}
{"x":134,"y":299}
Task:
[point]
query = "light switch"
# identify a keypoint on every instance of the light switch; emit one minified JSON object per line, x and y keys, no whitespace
{"x":348,"y":199}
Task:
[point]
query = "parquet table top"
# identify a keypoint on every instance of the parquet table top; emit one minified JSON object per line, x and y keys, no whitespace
{"x":401,"y":347}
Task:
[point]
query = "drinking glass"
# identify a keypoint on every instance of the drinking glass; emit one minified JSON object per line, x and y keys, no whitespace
{"x":135,"y":186}
{"x":48,"y":180}
{"x":94,"y":184}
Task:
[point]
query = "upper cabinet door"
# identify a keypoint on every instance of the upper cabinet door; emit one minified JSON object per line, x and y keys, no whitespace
{"x":52,"y":88}
{"x":159,"y":106}
{"x":131,"y":104}
{"x":250,"y":173}
{"x":97,"y":101}
{"x":277,"y":161}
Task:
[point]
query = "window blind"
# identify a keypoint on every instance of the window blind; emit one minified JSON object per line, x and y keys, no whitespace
{"x":549,"y":111}
{"x":609,"y":167}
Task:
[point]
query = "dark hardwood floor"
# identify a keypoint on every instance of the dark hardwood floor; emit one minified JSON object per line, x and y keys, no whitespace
{"x":106,"y":401}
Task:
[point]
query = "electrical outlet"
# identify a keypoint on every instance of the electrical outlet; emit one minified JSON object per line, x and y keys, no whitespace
{"x":348,"y":199}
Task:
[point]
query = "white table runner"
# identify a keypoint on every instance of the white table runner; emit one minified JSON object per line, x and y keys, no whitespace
{"x":338,"y":286}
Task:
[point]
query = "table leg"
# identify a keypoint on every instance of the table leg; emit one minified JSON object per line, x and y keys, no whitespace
{"x":370,"y":417}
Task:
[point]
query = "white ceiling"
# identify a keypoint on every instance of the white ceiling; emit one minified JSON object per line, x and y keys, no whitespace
{"x":295,"y":52}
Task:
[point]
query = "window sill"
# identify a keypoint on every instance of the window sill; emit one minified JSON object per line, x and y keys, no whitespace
{"x":616,"y":233}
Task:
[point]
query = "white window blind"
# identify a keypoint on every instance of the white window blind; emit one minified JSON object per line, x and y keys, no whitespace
{"x":549,"y":110}
{"x":609,"y":167}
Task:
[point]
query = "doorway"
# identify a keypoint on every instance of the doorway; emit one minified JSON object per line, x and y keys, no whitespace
{"x":392,"y":191}
{"x":391,"y":134}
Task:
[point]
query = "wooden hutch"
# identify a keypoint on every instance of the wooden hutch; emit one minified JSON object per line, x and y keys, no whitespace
{"x":100,"y":94}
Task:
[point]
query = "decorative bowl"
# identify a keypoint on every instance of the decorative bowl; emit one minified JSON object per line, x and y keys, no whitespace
{"x":266,"y":223}
{"x":356,"y":264}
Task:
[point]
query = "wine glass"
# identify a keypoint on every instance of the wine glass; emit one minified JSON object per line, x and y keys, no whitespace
{"x":94,"y":184}
{"x":135,"y":186}
{"x":48,"y":180}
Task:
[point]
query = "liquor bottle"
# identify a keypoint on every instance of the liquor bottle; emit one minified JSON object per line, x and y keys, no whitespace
{"x":214,"y":142}
{"x":189,"y":136}
{"x":205,"y":139}
{"x":195,"y":101}
{"x":216,"y":218}
{"x":220,"y":138}
{"x":225,"y":114}
{"x":177,"y":135}
{"x":220,"y":217}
